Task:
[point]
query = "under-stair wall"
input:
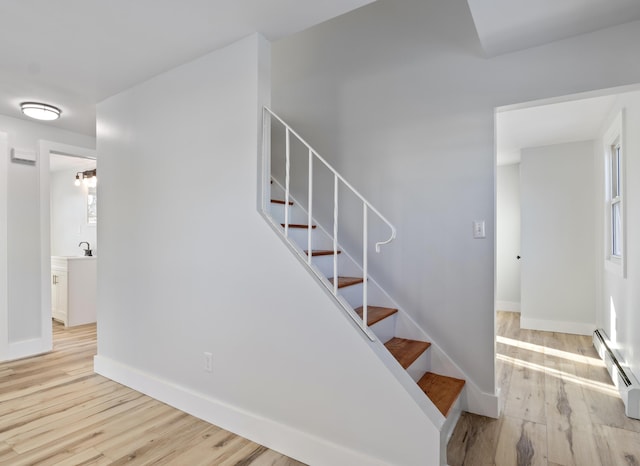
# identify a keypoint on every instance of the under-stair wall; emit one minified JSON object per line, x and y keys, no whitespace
{"x":188,"y":265}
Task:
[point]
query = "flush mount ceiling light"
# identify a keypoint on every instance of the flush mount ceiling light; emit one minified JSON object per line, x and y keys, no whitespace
{"x":40,"y":111}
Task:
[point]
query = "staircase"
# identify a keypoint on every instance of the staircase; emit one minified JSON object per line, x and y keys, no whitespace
{"x":348,"y":280}
{"x":443,"y":391}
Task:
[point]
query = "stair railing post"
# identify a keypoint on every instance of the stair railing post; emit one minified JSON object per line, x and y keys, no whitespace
{"x":309,"y":210}
{"x":266,"y":158}
{"x":286,"y":182}
{"x":335,"y":234}
{"x":365,"y":263}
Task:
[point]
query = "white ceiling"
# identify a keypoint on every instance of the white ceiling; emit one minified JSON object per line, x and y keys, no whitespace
{"x":508,"y":25}
{"x":75,"y":53}
{"x":543,"y":125}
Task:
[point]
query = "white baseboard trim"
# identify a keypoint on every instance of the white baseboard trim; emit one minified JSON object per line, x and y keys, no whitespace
{"x":279,"y":437}
{"x":482,"y":403}
{"x":509,"y":306}
{"x":577,"y":328}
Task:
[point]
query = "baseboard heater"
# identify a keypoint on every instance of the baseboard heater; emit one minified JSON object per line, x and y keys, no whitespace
{"x":621,"y":375}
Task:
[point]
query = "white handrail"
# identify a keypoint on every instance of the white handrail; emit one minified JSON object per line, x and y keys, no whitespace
{"x":337,"y":178}
{"x":333,"y":170}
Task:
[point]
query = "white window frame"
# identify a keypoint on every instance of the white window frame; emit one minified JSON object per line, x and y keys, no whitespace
{"x":613,"y":142}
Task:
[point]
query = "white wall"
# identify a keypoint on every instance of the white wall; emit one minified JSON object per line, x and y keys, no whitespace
{"x":558,"y":194}
{"x":188,"y":265}
{"x":398,"y":96}
{"x":4,"y":298}
{"x":508,"y":237}
{"x":69,"y":216}
{"x":620,"y":307}
{"x":24,"y":322}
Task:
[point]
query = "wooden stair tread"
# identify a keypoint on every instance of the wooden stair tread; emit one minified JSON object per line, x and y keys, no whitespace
{"x":298,"y":225}
{"x":406,"y":351}
{"x":347,"y":281}
{"x":442,"y":390}
{"x":280,"y":201}
{"x":321,"y":252}
{"x":375,"y":313}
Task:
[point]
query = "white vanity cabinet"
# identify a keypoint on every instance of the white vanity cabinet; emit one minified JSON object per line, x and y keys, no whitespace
{"x":73,"y":290}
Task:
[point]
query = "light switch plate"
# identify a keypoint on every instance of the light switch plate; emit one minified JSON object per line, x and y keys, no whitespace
{"x":478,"y":229}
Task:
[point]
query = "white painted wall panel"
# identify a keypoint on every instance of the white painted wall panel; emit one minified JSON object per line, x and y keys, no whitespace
{"x":187,"y":265}
{"x":398,"y":96}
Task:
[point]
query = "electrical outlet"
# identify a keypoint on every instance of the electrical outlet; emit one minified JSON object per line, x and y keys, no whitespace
{"x":208,"y":362}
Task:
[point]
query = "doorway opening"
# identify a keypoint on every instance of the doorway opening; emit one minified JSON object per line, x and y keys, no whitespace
{"x":549,"y":224}
{"x":68,"y":232}
{"x":73,"y":223}
{"x":553,"y":236}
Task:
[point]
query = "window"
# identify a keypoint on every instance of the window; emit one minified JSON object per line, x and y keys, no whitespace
{"x":614,"y":215}
{"x":616,"y":203}
{"x":92,"y":212}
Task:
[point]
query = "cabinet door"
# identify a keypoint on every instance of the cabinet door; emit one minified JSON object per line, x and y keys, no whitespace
{"x":59,"y":295}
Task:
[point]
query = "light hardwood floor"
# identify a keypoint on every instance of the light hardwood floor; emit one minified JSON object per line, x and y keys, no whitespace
{"x":559,"y":407}
{"x":55,"y":411}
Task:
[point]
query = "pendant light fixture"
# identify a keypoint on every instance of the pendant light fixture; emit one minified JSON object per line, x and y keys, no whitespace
{"x":40,"y":111}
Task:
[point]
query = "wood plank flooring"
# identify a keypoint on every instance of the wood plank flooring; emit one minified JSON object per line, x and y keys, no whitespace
{"x":54,"y":410}
{"x":559,"y":407}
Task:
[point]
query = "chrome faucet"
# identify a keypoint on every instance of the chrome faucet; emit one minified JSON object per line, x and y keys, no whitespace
{"x":87,"y":251}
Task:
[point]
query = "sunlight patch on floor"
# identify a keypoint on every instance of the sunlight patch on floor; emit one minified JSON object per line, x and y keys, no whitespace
{"x":550,"y":351}
{"x":604,"y":388}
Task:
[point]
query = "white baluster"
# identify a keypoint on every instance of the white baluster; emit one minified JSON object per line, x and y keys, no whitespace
{"x":266,"y":159}
{"x":365,"y":264}
{"x":335,"y":234}
{"x":310,"y":218}
{"x":286,"y":184}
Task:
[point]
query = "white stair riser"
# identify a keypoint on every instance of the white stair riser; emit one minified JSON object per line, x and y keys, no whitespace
{"x":296,"y":215}
{"x":318,"y":240}
{"x":345,"y":266}
{"x":421,"y":365}
{"x":385,"y":329}
{"x":353,"y":294}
